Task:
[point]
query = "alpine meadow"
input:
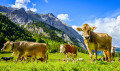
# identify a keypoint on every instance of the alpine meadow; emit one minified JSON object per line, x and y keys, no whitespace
{"x":59,"y":35}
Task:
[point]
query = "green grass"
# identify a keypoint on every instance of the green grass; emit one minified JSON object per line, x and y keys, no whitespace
{"x":56,"y":65}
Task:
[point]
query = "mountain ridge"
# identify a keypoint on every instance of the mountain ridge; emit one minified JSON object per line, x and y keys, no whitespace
{"x":20,"y":16}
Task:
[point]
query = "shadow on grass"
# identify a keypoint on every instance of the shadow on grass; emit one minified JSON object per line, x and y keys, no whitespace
{"x":5,"y":52}
{"x":102,"y":63}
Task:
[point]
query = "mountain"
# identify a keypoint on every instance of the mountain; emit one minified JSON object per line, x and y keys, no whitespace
{"x":13,"y":32}
{"x":27,"y":18}
{"x":10,"y":31}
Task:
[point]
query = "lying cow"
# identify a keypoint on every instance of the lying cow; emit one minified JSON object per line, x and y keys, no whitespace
{"x":69,"y":50}
{"x":7,"y":58}
{"x":69,"y":59}
{"x":96,"y":41}
{"x":24,"y":49}
{"x":80,"y":59}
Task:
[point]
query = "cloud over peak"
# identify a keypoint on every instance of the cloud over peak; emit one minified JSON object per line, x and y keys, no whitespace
{"x":64,"y":17}
{"x":23,"y":4}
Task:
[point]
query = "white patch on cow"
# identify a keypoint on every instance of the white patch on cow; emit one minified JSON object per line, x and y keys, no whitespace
{"x":20,"y":43}
{"x":62,"y":48}
{"x":112,"y":49}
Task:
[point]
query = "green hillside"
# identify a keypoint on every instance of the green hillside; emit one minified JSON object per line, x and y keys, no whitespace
{"x":10,"y":31}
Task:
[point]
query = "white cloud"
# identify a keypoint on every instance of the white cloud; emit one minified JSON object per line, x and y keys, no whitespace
{"x":33,"y":9}
{"x":46,"y":1}
{"x":64,"y":17}
{"x":108,"y":25}
{"x":22,"y":1}
{"x":23,"y":4}
{"x":75,"y":27}
{"x":33,"y":4}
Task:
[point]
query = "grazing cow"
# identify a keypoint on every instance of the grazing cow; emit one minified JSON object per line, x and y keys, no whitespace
{"x":112,"y":53}
{"x":69,"y":50}
{"x":96,"y":41}
{"x":7,"y":58}
{"x":24,"y":49}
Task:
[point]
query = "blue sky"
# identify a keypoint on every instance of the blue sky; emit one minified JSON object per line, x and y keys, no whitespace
{"x":104,"y":14}
{"x":78,"y":11}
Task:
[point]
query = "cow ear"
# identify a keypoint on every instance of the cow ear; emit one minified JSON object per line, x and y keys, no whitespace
{"x":79,"y":29}
{"x":114,"y":47}
{"x":92,"y":28}
{"x":11,"y":42}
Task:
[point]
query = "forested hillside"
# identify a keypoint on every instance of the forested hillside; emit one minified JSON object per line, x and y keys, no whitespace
{"x":10,"y":31}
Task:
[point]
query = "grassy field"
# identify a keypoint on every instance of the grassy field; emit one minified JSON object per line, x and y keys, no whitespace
{"x":54,"y":64}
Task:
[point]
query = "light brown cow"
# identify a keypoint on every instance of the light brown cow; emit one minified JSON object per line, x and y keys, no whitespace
{"x":69,"y":50}
{"x":96,"y":41}
{"x":24,"y":49}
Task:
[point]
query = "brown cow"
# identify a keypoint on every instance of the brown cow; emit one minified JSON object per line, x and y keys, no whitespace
{"x":24,"y":49}
{"x":112,"y":53}
{"x":96,"y":41}
{"x":69,"y":50}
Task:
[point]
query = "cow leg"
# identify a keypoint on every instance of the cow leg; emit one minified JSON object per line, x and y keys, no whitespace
{"x":95,"y":54}
{"x":20,"y":55}
{"x":109,"y":56}
{"x":34,"y":58}
{"x":105,"y":55}
{"x":73,"y":58}
{"x":22,"y":59}
{"x":18,"y":58}
{"x":67,"y":57}
{"x":45,"y":59}
{"x":90,"y":54}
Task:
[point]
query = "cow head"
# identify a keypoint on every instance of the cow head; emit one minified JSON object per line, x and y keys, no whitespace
{"x":7,"y":46}
{"x":62,"y":48}
{"x":112,"y":50}
{"x":86,"y":31}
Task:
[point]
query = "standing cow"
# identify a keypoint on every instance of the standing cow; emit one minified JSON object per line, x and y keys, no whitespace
{"x":69,"y":50}
{"x":96,"y":41}
{"x":24,"y":49}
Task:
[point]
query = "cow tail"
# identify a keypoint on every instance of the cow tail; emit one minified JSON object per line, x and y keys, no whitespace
{"x":47,"y":56}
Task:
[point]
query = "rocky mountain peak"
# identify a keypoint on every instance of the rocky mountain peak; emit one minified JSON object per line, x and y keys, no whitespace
{"x":50,"y":15}
{"x":6,"y":9}
{"x":20,"y":16}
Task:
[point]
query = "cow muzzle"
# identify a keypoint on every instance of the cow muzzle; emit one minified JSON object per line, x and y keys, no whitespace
{"x":2,"y":49}
{"x":87,"y":37}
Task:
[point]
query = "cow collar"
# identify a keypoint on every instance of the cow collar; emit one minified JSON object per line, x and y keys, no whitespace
{"x":12,"y":46}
